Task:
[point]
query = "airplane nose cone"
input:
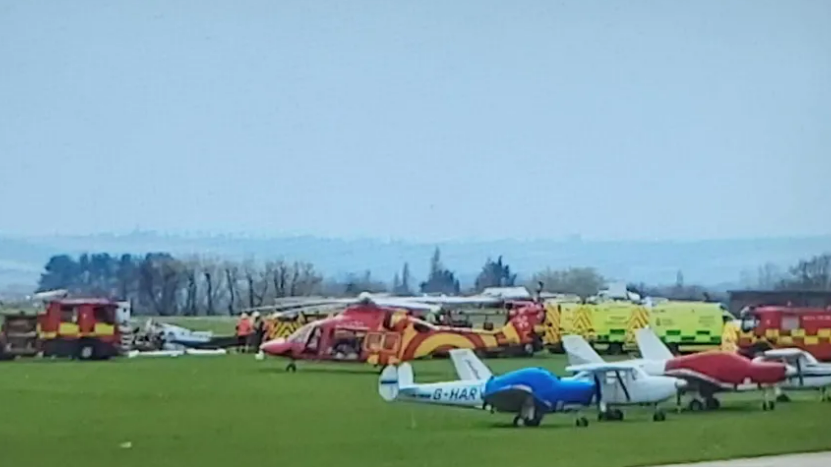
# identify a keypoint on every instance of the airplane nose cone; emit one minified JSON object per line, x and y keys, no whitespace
{"x":275,"y":347}
{"x":791,"y":371}
{"x":680,"y":384}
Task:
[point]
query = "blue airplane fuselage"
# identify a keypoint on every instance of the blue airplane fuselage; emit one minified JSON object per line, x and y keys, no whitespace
{"x":546,"y":387}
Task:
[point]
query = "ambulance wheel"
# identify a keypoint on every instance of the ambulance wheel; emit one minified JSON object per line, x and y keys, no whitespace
{"x":783,"y":398}
{"x":582,"y":422}
{"x":696,"y":405}
{"x":291,"y":367}
{"x":659,"y":416}
{"x":712,"y":403}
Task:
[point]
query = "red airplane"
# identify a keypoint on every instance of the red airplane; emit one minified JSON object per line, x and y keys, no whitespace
{"x":381,"y":332}
{"x":708,"y":373}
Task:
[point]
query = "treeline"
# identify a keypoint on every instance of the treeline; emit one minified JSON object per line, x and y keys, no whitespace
{"x":161,"y":284}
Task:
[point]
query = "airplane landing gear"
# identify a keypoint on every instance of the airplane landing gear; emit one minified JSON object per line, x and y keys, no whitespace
{"x":709,"y":403}
{"x":768,"y":405}
{"x":712,"y":403}
{"x":291,"y":367}
{"x":783,"y":398}
{"x":696,"y":405}
{"x":528,"y":416}
{"x":659,"y":416}
{"x":610,"y":415}
{"x":581,"y":422}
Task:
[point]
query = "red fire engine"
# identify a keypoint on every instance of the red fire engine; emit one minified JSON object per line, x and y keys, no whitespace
{"x":768,"y":327}
{"x":83,"y":328}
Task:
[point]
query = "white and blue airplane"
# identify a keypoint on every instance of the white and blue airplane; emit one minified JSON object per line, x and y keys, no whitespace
{"x":621,"y":383}
{"x":528,"y":393}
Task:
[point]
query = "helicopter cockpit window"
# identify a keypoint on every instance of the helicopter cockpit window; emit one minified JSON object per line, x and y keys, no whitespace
{"x":302,"y":334}
{"x":314,"y":339}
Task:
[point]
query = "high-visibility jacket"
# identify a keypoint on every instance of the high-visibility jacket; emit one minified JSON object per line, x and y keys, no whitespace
{"x":244,"y":327}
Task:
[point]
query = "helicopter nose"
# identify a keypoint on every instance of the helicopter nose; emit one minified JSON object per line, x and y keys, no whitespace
{"x":275,"y":347}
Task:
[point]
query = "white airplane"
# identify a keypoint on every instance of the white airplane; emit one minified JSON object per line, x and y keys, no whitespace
{"x":397,"y":383}
{"x":620,"y":383}
{"x":810,"y":373}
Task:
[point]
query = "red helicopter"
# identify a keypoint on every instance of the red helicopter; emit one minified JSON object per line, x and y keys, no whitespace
{"x":382,"y":331}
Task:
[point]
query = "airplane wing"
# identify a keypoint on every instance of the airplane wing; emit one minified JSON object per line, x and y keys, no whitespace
{"x":512,"y":399}
{"x":601,"y":367}
{"x":650,"y":345}
{"x":579,"y":351}
{"x":468,"y":366}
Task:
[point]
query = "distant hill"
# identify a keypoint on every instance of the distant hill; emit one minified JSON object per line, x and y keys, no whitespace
{"x":708,"y":262}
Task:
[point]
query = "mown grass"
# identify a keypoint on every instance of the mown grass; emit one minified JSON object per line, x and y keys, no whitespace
{"x":235,"y":411}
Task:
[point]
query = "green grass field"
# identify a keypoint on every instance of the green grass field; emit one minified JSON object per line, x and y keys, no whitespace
{"x":235,"y":411}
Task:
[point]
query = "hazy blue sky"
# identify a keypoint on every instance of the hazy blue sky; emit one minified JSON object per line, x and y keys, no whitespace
{"x":417,"y":119}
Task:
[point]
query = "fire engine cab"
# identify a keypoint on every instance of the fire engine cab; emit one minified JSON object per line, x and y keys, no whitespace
{"x":82,"y":328}
{"x":767,"y":327}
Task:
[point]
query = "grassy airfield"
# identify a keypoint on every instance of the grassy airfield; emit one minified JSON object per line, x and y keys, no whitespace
{"x":235,"y":411}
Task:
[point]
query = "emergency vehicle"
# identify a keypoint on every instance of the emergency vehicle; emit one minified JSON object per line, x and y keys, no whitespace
{"x":684,"y":326}
{"x":82,"y":328}
{"x":766,"y":327}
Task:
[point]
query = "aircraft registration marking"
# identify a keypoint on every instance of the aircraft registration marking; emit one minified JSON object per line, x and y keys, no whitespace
{"x":456,"y":394}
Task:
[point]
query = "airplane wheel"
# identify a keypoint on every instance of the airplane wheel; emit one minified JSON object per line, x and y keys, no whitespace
{"x":659,"y":416}
{"x":618,"y":415}
{"x":517,"y":419}
{"x":291,"y":367}
{"x":582,"y":422}
{"x":712,"y":403}
{"x":696,"y":405}
{"x":533,"y":421}
{"x":783,"y":398}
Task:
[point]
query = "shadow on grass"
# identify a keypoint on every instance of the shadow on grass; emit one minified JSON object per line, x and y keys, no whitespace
{"x":352,"y":370}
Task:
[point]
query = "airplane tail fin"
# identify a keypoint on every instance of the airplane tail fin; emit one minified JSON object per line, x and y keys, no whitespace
{"x":650,"y":345}
{"x":468,"y":366}
{"x":579,"y":351}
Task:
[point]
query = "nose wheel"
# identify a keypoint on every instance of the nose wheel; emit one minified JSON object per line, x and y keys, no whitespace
{"x":291,"y":367}
{"x":659,"y":416}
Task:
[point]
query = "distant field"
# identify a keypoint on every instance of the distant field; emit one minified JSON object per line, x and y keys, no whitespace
{"x":235,"y":411}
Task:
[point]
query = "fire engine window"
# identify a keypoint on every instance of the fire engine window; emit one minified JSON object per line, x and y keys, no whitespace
{"x":104,"y":314}
{"x":69,"y":314}
{"x":789,"y":323}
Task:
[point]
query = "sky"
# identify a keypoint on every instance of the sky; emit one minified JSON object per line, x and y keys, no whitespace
{"x":421,"y":120}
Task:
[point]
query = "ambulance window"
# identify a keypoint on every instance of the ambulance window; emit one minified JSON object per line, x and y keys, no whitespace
{"x":68,"y":314}
{"x":104,"y":314}
{"x":789,"y":323}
